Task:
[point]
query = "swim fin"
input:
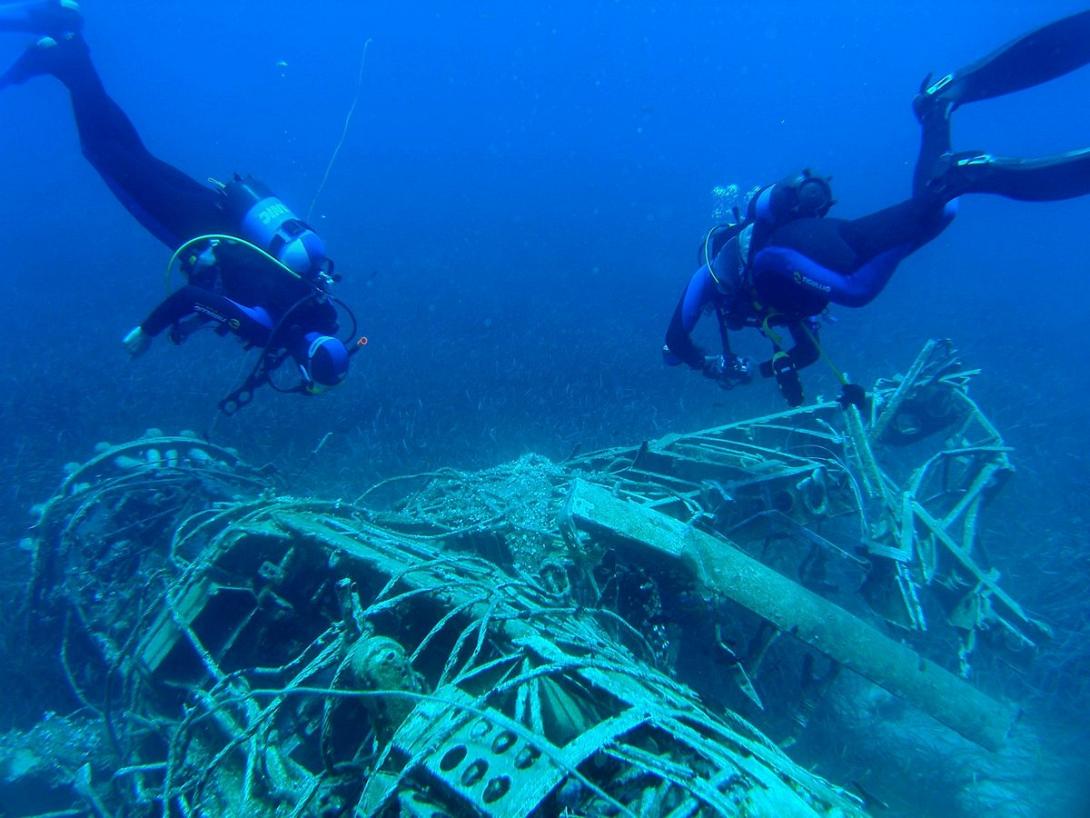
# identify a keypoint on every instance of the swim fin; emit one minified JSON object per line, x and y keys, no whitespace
{"x":1040,"y":179}
{"x":1041,"y":55}
{"x":53,"y":17}
{"x":48,"y":55}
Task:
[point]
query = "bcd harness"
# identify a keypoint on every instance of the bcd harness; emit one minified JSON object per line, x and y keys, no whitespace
{"x":202,"y":255}
{"x":761,"y":316}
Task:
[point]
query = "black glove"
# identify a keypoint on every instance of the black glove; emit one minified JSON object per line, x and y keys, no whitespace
{"x":852,"y":394}
{"x":787,"y":378}
{"x":728,"y":372}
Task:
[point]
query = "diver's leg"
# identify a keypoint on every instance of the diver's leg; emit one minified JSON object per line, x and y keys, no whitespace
{"x":168,"y":203}
{"x":41,"y":16}
{"x":1049,"y":178}
{"x":902,"y":228}
{"x":1041,"y":55}
{"x":934,"y":145}
{"x":810,"y":262}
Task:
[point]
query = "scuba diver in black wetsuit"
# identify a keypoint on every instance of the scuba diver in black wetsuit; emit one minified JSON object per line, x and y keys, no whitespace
{"x":254,"y":270}
{"x":782,"y":263}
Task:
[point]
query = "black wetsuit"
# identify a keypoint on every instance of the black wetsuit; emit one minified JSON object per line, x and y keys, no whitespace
{"x":792,"y":269}
{"x":241,"y":293}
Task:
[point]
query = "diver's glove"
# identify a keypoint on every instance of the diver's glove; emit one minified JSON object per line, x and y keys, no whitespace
{"x":852,"y":394}
{"x":783,"y":369}
{"x":137,"y":341}
{"x":728,"y":371}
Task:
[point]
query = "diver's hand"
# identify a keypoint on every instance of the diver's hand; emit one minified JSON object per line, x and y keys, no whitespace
{"x":137,"y":341}
{"x":852,"y":394}
{"x":787,"y":378}
{"x":728,"y":372}
{"x":739,"y":370}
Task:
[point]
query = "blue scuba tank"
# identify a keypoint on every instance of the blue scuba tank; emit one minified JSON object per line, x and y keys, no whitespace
{"x":267,"y":222}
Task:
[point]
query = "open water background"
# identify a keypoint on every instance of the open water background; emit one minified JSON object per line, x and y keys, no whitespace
{"x":515,"y":209}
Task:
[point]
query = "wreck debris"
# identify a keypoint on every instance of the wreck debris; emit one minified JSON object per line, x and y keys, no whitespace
{"x":504,"y":642}
{"x":724,"y":568}
{"x":294,"y":657}
{"x":819,"y":467}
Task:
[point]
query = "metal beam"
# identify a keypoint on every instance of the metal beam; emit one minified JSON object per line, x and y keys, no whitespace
{"x":722,"y":567}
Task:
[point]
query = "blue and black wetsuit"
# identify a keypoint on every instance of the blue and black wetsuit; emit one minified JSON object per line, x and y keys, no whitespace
{"x":220,"y":295}
{"x":724,"y":287}
{"x":795,"y":265}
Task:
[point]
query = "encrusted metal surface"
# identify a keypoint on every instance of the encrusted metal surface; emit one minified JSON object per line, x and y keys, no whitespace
{"x":476,"y":647}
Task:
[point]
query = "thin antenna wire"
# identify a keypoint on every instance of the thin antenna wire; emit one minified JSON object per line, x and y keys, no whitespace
{"x":344,"y":131}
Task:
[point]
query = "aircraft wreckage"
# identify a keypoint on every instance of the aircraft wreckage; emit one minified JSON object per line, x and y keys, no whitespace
{"x":534,"y":639}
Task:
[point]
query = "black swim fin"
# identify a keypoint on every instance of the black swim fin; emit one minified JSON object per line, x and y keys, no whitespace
{"x":52,"y":17}
{"x":1041,"y":55}
{"x":56,"y":56}
{"x":1040,"y":179}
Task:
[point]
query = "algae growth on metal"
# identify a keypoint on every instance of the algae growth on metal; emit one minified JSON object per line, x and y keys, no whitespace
{"x":511,"y":642}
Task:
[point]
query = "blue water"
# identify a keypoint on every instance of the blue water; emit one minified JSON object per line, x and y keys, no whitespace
{"x":515,"y":210}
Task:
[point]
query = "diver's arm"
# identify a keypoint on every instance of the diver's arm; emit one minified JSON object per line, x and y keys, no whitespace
{"x":679,"y":345}
{"x":804,"y":352}
{"x":785,"y":366}
{"x":172,"y":309}
{"x":252,"y":324}
{"x":724,"y":332}
{"x":679,"y":342}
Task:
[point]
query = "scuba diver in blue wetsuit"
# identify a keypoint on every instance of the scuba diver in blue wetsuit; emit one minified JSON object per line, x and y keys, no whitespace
{"x":253,"y":269}
{"x":783,"y":262}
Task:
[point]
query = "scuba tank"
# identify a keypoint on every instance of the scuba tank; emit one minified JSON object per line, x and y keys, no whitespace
{"x":267,"y":222}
